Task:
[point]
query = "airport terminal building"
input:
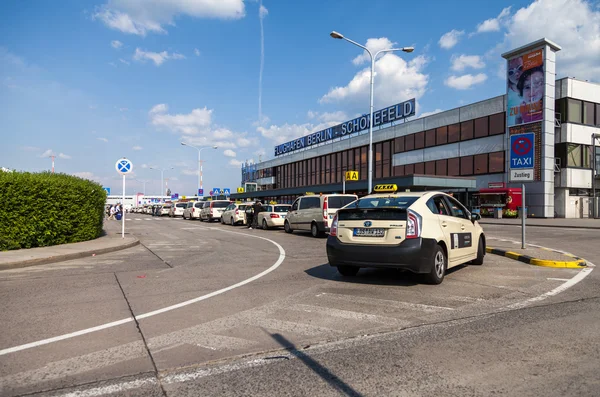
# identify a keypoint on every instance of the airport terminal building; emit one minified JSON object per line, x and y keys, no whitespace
{"x":464,"y":149}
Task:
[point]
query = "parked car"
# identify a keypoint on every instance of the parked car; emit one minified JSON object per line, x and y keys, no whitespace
{"x":273,"y":215}
{"x":213,"y":210}
{"x":315,"y":213}
{"x":193,"y":210}
{"x":177,"y":209}
{"x":234,"y":214}
{"x":165,"y":209}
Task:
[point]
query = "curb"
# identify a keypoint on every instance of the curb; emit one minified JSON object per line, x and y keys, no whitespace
{"x":65,"y":257}
{"x":578,"y":263}
{"x":552,"y":226}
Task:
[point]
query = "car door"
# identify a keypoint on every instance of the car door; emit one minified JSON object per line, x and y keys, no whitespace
{"x":463,"y":231}
{"x":293,"y":214}
{"x":306,"y":211}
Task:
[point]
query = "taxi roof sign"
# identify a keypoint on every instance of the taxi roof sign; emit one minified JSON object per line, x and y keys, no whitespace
{"x":388,"y":188}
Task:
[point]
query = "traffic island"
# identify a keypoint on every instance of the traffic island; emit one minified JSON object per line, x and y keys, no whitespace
{"x":534,"y":255}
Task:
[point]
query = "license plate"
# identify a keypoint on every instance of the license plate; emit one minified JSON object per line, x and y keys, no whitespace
{"x":283,"y":216}
{"x":363,"y":232}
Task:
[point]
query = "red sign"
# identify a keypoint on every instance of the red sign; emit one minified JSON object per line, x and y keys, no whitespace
{"x":496,"y":185}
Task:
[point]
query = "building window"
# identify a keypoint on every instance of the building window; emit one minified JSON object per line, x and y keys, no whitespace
{"x":363,"y":163}
{"x":466,"y":165}
{"x":466,"y":130}
{"x":399,"y":145}
{"x":588,"y":113}
{"x":574,"y":110}
{"x":409,"y":169}
{"x":481,"y":127}
{"x":570,"y":154}
{"x":399,"y":170}
{"x":441,"y":167}
{"x":420,"y":168}
{"x":420,"y":140}
{"x":560,"y":110}
{"x":387,"y":158}
{"x":441,"y":135}
{"x":496,"y":162}
{"x":454,"y":166}
{"x":409,"y":143}
{"x":430,"y":168}
{"x":430,"y":138}
{"x":481,"y":164}
{"x":497,"y":123}
{"x":453,"y":133}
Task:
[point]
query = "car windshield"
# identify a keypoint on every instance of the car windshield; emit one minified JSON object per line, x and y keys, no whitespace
{"x":384,"y":202}
{"x":220,"y":204}
{"x":242,"y":207}
{"x":339,"y":201}
{"x":182,"y":205}
{"x":282,"y":208}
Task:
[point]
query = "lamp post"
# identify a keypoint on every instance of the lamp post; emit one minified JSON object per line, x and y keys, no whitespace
{"x":199,"y":149}
{"x":337,"y":35}
{"x":162,"y":174}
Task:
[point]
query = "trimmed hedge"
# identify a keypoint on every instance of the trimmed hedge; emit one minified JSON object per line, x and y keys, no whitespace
{"x":42,"y":209}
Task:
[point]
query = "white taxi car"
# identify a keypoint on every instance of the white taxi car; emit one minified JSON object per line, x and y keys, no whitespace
{"x":213,"y":210}
{"x":425,"y":233}
{"x":273,"y":215}
{"x":234,"y":214}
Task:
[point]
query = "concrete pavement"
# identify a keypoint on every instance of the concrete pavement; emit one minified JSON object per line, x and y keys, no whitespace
{"x":550,"y":222}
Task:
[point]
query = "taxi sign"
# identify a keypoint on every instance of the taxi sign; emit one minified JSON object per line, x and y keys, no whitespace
{"x":309,"y":193}
{"x":389,"y":188}
{"x":352,"y":175}
{"x":240,"y":190}
{"x":272,"y":202}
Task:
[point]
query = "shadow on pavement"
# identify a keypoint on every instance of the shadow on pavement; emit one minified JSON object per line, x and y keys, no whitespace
{"x":315,"y":366}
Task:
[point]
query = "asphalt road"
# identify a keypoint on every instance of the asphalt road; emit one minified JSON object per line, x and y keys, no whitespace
{"x":298,"y":329}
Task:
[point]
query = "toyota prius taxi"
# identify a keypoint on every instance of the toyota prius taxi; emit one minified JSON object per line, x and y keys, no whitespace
{"x":422,"y":232}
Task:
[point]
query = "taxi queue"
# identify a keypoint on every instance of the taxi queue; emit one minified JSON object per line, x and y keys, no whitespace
{"x":422,"y":232}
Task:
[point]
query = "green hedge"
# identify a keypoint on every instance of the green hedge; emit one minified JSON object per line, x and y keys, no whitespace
{"x":42,"y":209}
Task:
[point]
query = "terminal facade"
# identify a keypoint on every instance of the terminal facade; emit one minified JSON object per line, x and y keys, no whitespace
{"x":464,"y":149}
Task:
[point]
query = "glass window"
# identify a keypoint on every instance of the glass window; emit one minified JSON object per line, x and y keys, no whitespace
{"x":378,"y":152}
{"x":281,"y":208}
{"x":454,"y":166}
{"x":220,"y":204}
{"x":295,"y":205}
{"x":453,"y":133}
{"x":574,"y":154}
{"x":560,"y":110}
{"x":574,"y":110}
{"x":441,"y":135}
{"x":438,"y":205}
{"x":420,"y":168}
{"x":310,"y":202}
{"x":456,"y":208}
{"x":399,"y":145}
{"x":409,"y":142}
{"x":420,"y":140}
{"x":339,"y":201}
{"x":481,"y":127}
{"x":384,"y":202}
{"x":181,"y":205}
{"x":399,"y":170}
{"x":441,"y":167}
{"x":496,"y":162}
{"x":481,"y":163}
{"x":466,"y":165}
{"x":429,"y":138}
{"x":430,"y":168}
{"x":588,"y":113}
{"x":363,"y":163}
{"x":497,"y":123}
{"x":409,"y":169}
{"x":598,"y":114}
{"x":466,"y":130}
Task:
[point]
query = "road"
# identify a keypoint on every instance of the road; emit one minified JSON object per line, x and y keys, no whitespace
{"x":223,"y":310}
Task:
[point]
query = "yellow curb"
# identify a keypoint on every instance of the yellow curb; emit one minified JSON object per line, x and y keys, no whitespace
{"x":559,"y":264}
{"x":578,"y":264}
{"x":512,"y":255}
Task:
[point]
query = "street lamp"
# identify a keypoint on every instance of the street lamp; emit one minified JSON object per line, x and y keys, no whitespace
{"x":337,"y":35}
{"x":162,"y":174}
{"x":199,"y":149}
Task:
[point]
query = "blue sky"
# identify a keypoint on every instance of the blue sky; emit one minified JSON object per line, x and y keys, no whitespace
{"x":93,"y":81}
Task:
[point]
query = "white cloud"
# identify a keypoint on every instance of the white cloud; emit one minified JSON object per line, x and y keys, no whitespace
{"x":286,"y":132}
{"x":244,"y":142}
{"x":450,"y":39}
{"x":123,"y":109}
{"x":262,"y":11}
{"x":137,"y":148}
{"x":87,"y":175}
{"x":102,"y":139}
{"x":157,"y":57}
{"x":30,"y":148}
{"x":395,"y":80}
{"x":229,"y":153}
{"x":64,"y":156}
{"x":466,"y":81}
{"x":197,"y":52}
{"x":425,"y":114}
{"x":493,"y":24}
{"x":116,"y":44}
{"x":373,"y":45}
{"x":461,"y":62}
{"x":236,"y":163}
{"x":47,"y":153}
{"x":124,"y":61}
{"x":572,"y":24}
{"x":143,"y":17}
{"x":160,"y":108}
{"x":336,"y":117}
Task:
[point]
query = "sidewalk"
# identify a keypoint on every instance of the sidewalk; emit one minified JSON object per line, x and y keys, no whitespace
{"x":550,"y":222}
{"x":533,"y":255}
{"x":111,"y":241}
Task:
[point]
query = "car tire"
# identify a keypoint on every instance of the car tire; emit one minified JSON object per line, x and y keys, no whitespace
{"x":287,"y":227}
{"x":480,"y":253}
{"x":231,"y":221}
{"x":314,"y":230}
{"x":264,"y":225}
{"x":438,"y":266}
{"x":348,"y":271}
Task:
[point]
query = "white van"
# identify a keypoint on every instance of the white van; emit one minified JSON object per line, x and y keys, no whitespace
{"x":315,"y":213}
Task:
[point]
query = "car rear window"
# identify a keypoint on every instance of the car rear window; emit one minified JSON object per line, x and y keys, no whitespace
{"x":198,"y":205}
{"x":282,"y":208}
{"x":220,"y":204}
{"x":242,"y":207}
{"x":384,"y":202}
{"x":339,"y":201}
{"x":182,"y":205}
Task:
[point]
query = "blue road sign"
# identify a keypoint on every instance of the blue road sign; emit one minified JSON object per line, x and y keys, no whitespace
{"x":216,"y":191}
{"x":227,"y":191}
{"x":175,"y":196}
{"x":107,"y":190}
{"x":124,"y":166}
{"x":522,"y":150}
{"x":200,"y":192}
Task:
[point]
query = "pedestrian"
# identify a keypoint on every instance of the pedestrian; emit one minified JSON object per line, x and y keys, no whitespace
{"x":112,"y":212}
{"x":257,"y":208}
{"x":249,"y":216}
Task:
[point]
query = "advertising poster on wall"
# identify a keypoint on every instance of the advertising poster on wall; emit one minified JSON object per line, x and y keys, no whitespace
{"x":525,"y":88}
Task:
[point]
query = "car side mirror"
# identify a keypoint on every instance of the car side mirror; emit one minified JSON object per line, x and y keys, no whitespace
{"x":475,"y":217}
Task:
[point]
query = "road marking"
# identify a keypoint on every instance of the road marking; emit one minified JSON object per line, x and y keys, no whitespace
{"x":557,"y":279}
{"x":159,"y":311}
{"x":349,"y":315}
{"x":111,"y":389}
{"x":383,"y":302}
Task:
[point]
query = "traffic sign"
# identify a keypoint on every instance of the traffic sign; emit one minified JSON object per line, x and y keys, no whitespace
{"x":352,"y":175}
{"x":210,"y":193}
{"x":107,"y":189}
{"x":124,"y":166}
{"x":200,"y":192}
{"x":522,"y":155}
{"x":216,"y":191}
{"x":240,"y":190}
{"x":226,"y":191}
{"x":175,"y":196}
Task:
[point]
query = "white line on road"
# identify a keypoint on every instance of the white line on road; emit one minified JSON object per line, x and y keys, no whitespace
{"x":557,"y":279}
{"x":159,"y":311}
{"x":117,"y":388}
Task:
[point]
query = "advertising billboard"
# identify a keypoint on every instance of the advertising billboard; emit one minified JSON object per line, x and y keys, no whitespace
{"x":525,"y":88}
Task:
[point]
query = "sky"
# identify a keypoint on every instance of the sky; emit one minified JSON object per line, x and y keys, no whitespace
{"x":91,"y":81}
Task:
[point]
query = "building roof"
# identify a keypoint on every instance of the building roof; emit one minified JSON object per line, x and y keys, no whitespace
{"x":531,"y":46}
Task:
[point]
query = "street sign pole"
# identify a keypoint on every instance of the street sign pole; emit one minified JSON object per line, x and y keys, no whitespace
{"x":344,"y":185}
{"x":123,"y":167}
{"x":523,"y":215}
{"x":123,"y":206}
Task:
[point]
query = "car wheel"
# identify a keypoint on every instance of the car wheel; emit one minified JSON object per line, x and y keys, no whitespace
{"x":348,"y":271}
{"x":480,"y":253}
{"x":264,"y":225}
{"x":314,"y":230}
{"x":231,"y":221}
{"x":438,"y":267}
{"x":287,"y":227}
